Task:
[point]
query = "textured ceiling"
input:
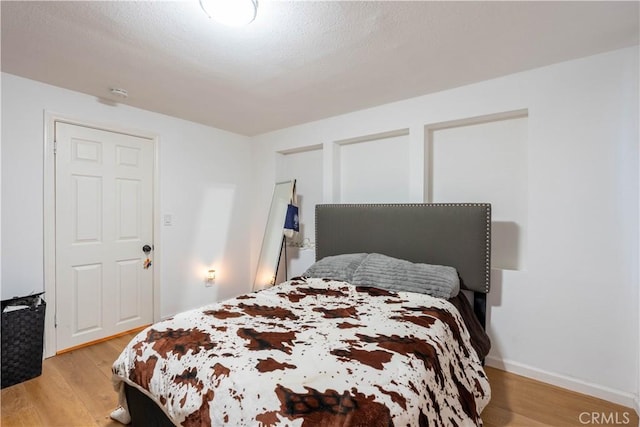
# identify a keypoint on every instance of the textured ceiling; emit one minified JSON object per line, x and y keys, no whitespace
{"x":299,"y":61}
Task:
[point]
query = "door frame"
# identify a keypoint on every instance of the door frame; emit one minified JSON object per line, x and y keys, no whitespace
{"x":49,"y":220}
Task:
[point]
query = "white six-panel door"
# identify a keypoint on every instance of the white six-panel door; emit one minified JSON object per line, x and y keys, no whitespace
{"x":104,"y":217}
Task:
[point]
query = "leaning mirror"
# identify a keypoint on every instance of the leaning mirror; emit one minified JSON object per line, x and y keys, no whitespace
{"x":273,"y":236}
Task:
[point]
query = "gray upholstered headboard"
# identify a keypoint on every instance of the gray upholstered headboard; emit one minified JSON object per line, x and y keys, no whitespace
{"x":457,"y":235}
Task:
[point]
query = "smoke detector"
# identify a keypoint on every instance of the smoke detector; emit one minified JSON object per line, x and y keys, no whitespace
{"x":120,"y":93}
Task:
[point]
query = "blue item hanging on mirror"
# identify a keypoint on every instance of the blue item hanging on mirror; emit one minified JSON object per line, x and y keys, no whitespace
{"x":291,"y":221}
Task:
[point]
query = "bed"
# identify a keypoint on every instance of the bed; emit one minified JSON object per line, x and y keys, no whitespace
{"x":321,"y":351}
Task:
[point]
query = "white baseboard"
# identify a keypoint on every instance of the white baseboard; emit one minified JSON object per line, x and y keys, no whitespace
{"x":573,"y":384}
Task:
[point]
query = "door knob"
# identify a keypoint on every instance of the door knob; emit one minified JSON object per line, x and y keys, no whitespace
{"x":146,"y":249}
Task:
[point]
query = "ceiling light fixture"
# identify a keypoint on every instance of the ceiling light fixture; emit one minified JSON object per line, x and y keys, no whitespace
{"x":233,"y":13}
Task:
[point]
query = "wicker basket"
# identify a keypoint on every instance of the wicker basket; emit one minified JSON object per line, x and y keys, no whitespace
{"x":22,"y":337}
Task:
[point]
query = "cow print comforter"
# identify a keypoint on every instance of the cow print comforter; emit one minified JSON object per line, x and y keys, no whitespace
{"x":311,"y":352}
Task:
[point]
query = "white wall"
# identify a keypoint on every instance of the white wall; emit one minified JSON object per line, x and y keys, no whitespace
{"x":306,"y":167}
{"x":1,"y":209}
{"x":374,"y":170}
{"x":569,"y":315}
{"x":204,"y":183}
{"x":486,"y":162}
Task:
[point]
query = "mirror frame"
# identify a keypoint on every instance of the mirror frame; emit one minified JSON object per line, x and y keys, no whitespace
{"x":271,"y":249}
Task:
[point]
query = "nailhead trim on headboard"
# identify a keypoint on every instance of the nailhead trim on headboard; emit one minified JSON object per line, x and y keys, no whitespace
{"x":487,"y":259}
{"x":487,"y":207}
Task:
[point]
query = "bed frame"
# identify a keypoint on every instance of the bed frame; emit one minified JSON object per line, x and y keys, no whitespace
{"x":458,"y":235}
{"x":453,"y":234}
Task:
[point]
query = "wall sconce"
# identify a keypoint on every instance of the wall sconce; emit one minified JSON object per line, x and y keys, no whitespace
{"x":211,"y":277}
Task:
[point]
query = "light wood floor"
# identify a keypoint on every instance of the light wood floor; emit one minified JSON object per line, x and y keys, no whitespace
{"x":75,"y":390}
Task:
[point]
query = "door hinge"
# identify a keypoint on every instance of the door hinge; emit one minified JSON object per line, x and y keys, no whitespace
{"x":55,"y":320}
{"x":55,"y":147}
